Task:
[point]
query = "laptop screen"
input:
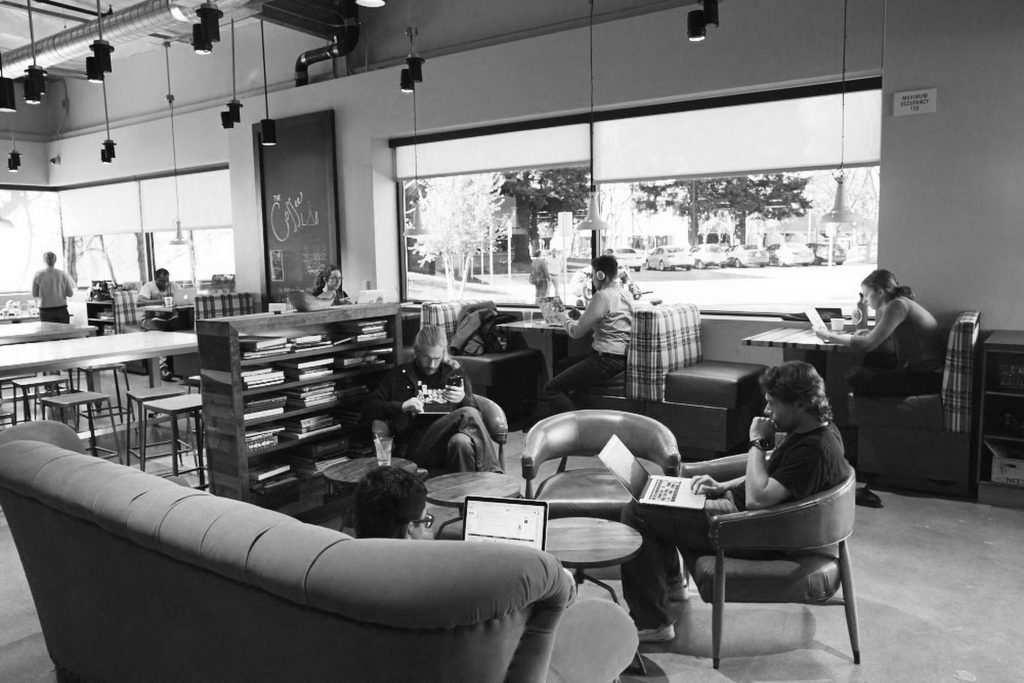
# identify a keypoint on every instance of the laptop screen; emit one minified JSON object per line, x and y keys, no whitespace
{"x":505,"y":520}
{"x":370,"y":296}
{"x":624,"y":466}
{"x":184,"y":296}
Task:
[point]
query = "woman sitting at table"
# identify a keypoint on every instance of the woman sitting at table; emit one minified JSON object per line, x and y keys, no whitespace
{"x":919,"y":344}
{"x":328,"y":286}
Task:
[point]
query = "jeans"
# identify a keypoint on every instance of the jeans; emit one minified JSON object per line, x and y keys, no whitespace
{"x":456,"y":442}
{"x":593,"y":369}
{"x":54,"y":314}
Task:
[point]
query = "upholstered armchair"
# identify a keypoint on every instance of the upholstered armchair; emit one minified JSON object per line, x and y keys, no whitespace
{"x":47,"y":431}
{"x":806,"y":559}
{"x":591,"y":492}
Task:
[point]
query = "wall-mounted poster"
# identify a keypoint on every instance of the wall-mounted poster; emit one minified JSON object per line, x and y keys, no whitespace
{"x":299,"y":197}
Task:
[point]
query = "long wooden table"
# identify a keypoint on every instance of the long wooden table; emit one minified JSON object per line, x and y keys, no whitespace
{"x":39,"y":332}
{"x":89,"y":351}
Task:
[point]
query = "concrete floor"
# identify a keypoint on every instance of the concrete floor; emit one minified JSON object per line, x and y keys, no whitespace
{"x":939,"y":594}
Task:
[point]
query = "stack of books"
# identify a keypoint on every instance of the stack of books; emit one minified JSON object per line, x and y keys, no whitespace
{"x":308,"y":426}
{"x":261,"y":347}
{"x":361,"y":449}
{"x":309,"y":395}
{"x":352,"y":390}
{"x":265,"y":406}
{"x":348,"y":417}
{"x":262,"y":438}
{"x":308,"y":460}
{"x":309,"y":342}
{"x":361,"y":331}
{"x":265,"y":478}
{"x":261,"y":377}
{"x":361,"y":358}
{"x":297,"y":370}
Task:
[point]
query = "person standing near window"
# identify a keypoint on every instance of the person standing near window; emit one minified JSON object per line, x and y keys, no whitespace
{"x":52,"y":287}
{"x":540,"y":277}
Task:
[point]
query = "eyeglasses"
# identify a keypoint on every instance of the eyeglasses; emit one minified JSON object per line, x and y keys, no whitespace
{"x":426,"y":522}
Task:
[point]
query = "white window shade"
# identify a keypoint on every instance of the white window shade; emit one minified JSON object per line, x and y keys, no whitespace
{"x":738,"y":140}
{"x":104,"y":209}
{"x":538,"y":148}
{"x":204,"y":198}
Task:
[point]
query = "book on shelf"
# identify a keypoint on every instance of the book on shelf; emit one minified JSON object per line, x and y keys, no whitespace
{"x":274,"y":483}
{"x":306,"y":339}
{"x":264,"y":403}
{"x":371,"y":336}
{"x":255,"y":415}
{"x":266,"y":353}
{"x":343,"y":340}
{"x":310,"y":373}
{"x":353,"y":390}
{"x":264,"y":472}
{"x":308,"y":467}
{"x":323,"y":401}
{"x":288,"y":434}
{"x":326,"y":448}
{"x":255,"y":371}
{"x":251,"y":342}
{"x":307,"y":423}
{"x":303,"y":364}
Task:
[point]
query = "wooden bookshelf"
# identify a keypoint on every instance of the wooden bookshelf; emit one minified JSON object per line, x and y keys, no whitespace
{"x":225,"y":394}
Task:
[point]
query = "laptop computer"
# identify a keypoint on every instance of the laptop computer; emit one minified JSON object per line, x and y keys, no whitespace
{"x":551,"y":308}
{"x":647,"y":488}
{"x":370,"y":296}
{"x":519,"y":521}
{"x":815,"y":319}
{"x":185,"y":296}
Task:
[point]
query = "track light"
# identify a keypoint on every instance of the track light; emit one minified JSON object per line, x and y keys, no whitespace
{"x":104,"y":157}
{"x":268,"y":129}
{"x":93,"y":71}
{"x":200,"y":42}
{"x":14,"y":161}
{"x":711,"y":12}
{"x":695,"y":25}
{"x":209,"y":17}
{"x":370,"y":3}
{"x":101,"y":50}
{"x":268,"y":132}
{"x":35,"y":84}
{"x":406,"y":83}
{"x":415,"y":65}
{"x":108,"y":147}
{"x":233,"y":115}
{"x":7,"y":102}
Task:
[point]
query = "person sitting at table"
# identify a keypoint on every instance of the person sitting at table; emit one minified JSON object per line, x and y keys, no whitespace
{"x":609,"y":315}
{"x":455,"y":441}
{"x":52,"y":287}
{"x":919,"y":344}
{"x":328,"y":286}
{"x":391,"y":503}
{"x":154,"y":291}
{"x":809,"y":460}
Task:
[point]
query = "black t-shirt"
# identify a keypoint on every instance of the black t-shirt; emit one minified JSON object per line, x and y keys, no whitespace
{"x":805,"y":463}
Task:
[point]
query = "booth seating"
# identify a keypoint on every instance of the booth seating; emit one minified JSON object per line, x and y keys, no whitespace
{"x":224,"y":305}
{"x":126,"y":311}
{"x":508,"y":378}
{"x":708,"y":405}
{"x":137,"y":578}
{"x":923,"y":442}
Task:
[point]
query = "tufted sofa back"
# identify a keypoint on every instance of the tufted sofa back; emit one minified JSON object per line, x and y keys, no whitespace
{"x":224,"y":305}
{"x":664,"y":338}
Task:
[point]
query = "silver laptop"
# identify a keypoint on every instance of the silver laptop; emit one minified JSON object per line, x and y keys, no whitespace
{"x":647,"y":488}
{"x":815,"y":319}
{"x":370,"y":296}
{"x":185,"y":296}
{"x":519,"y":521}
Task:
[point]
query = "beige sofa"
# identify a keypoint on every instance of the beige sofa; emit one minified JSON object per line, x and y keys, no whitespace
{"x":137,"y":578}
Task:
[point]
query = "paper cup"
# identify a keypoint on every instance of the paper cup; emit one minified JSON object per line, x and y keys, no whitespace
{"x":168,"y":301}
{"x":838,"y":324}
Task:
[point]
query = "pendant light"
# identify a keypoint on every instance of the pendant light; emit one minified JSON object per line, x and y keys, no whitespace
{"x":107,"y":153}
{"x":413,"y":71}
{"x":593,"y":222}
{"x":99,"y":64}
{"x":35,"y":75}
{"x":841,"y":211}
{"x":233,"y":115}
{"x":179,"y":238}
{"x":14,"y":160}
{"x":7,"y":102}
{"x":370,"y":3}
{"x":268,"y":127}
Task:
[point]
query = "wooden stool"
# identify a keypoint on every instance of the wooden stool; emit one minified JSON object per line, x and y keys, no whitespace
{"x":9,"y":398}
{"x":92,"y":378}
{"x":194,"y":382}
{"x":88,"y":399}
{"x":137,"y":398}
{"x":51,"y":383}
{"x":189,"y":405}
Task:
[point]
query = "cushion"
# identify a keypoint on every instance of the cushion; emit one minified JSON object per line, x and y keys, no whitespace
{"x":126,"y":310}
{"x":922,"y":412}
{"x":223,"y":305}
{"x":664,"y":338}
{"x":812,"y":577}
{"x":714,"y":383}
{"x":584,"y":493}
{"x":494,"y":368}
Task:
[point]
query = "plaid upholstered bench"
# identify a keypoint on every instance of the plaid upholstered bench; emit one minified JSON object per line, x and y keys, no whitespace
{"x":508,"y":378}
{"x":923,"y":442}
{"x":224,"y":305}
{"x":708,"y":405}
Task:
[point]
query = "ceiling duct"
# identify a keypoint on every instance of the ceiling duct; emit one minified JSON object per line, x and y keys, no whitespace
{"x":343,"y":42}
{"x":127,"y":25}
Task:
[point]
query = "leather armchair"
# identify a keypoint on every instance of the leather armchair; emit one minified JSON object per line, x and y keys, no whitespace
{"x":591,"y":492}
{"x":47,"y":431}
{"x":800,"y":547}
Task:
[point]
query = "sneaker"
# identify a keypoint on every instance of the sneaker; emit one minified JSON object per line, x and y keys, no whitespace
{"x":678,"y":592}
{"x":657,"y":635}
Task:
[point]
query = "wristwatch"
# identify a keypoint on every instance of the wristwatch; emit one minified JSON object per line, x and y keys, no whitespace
{"x":762,"y":444}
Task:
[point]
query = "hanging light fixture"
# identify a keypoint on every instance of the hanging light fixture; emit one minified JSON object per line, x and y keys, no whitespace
{"x":107,"y":153}
{"x":841,"y":211}
{"x":200,"y":43}
{"x":7,"y":103}
{"x":35,"y":75}
{"x":233,"y":115}
{"x":14,"y":160}
{"x":179,"y":238}
{"x":209,"y":18}
{"x":593,"y":222}
{"x":268,"y":127}
{"x":370,"y":3}
{"x":698,"y":20}
{"x":99,"y":64}
{"x":413,"y":71}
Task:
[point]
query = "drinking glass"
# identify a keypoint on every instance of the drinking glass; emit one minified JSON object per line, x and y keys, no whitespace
{"x":382,"y":445}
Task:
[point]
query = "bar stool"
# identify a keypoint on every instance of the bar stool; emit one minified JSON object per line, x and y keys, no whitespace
{"x":92,"y":378}
{"x":49,"y":383}
{"x":194,"y":382}
{"x":189,"y":405}
{"x":137,"y":398}
{"x":9,"y":397}
{"x":90,"y":400}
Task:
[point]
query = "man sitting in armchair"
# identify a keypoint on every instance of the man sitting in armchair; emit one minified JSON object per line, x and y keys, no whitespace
{"x":428,"y":406}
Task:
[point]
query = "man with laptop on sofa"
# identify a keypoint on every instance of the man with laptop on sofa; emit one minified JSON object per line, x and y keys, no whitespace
{"x":808,"y":460}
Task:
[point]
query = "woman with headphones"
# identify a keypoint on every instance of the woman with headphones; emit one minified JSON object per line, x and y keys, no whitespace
{"x":609,"y":315}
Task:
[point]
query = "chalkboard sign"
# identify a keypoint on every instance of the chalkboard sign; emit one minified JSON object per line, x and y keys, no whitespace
{"x":299,"y":198}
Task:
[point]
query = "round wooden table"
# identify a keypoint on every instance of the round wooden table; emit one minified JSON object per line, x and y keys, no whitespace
{"x":450,"y":490}
{"x":582,"y":543}
{"x":349,"y":473}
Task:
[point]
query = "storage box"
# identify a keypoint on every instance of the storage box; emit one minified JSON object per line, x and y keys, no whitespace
{"x":1007,"y":470}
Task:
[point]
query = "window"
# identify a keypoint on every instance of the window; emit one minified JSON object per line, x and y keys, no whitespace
{"x":204,"y":261}
{"x":716,"y":205}
{"x":29,"y":226}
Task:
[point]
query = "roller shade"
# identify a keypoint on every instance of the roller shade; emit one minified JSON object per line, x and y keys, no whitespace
{"x":205,"y":200}
{"x":103,"y":209}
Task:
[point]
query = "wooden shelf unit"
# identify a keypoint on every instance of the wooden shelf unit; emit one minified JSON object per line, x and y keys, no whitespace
{"x":101,"y":315}
{"x":225,"y":395}
{"x":1001,"y":414}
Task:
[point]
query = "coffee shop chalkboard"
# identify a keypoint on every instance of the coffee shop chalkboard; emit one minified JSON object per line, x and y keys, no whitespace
{"x":300,"y":209}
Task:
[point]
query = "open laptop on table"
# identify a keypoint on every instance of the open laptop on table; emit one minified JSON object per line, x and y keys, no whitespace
{"x":519,"y":521}
{"x":370,"y":296}
{"x":647,"y":488}
{"x":185,"y":296}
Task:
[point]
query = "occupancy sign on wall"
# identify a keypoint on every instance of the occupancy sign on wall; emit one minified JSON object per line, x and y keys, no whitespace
{"x":912,"y":102}
{"x":299,"y":198}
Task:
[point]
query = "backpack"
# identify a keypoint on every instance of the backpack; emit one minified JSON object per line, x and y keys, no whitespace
{"x":475,"y":332}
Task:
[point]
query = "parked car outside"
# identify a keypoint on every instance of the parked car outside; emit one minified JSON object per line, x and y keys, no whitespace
{"x":629,"y":258}
{"x":820,"y":251}
{"x":670,"y":258}
{"x":746,"y":256}
{"x":789,"y":254}
{"x":705,"y":255}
